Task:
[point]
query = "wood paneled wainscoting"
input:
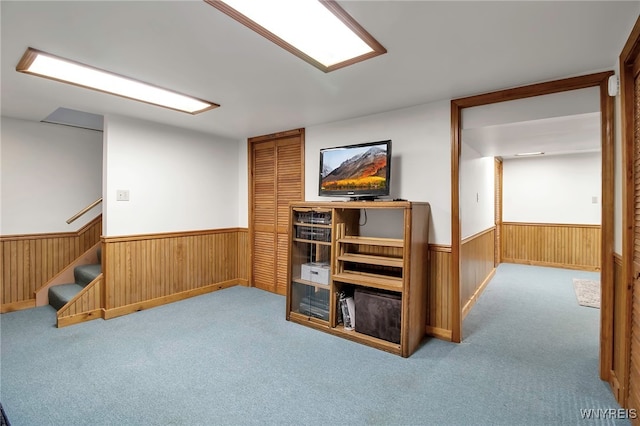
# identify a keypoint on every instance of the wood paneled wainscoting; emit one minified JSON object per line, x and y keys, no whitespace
{"x":144,"y":271}
{"x":439,"y":300}
{"x":570,"y":246}
{"x":242,"y":254}
{"x":29,"y":261}
{"x":477,"y":258}
{"x":86,"y":306}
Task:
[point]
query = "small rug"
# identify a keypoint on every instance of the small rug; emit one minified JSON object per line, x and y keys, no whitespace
{"x":587,"y":292}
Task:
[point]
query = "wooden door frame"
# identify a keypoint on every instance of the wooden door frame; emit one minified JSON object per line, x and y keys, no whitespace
{"x":628,"y":58}
{"x":250,"y":142}
{"x":497,"y":214}
{"x":607,"y":136}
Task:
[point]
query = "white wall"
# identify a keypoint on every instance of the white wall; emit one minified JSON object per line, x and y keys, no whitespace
{"x":243,"y":184}
{"x":573,"y":102}
{"x":178,"y":180}
{"x":477,"y":189}
{"x":421,"y":156}
{"x":48,"y":173}
{"x":554,"y":189}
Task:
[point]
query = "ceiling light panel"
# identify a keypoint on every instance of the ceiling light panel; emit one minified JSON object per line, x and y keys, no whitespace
{"x":529,"y":154}
{"x":320,"y":32}
{"x":56,"y":68}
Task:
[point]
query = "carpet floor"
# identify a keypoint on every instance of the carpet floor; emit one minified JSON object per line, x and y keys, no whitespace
{"x":529,"y":357}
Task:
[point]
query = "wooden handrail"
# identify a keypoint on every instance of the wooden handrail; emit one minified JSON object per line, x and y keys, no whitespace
{"x":83,"y":211}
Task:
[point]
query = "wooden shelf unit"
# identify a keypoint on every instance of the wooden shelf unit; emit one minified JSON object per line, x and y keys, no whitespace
{"x":391,"y":258}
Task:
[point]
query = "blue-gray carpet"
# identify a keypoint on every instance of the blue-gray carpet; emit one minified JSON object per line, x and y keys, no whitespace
{"x":530,"y":356}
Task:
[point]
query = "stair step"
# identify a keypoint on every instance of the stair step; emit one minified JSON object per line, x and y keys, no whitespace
{"x":99,"y":254}
{"x":59,"y":295}
{"x":84,"y":274}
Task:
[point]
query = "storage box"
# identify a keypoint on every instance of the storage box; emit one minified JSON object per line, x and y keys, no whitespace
{"x":317,"y":273}
{"x":378,"y":314}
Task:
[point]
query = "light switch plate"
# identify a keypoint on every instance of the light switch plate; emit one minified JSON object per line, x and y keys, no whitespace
{"x":122,"y":195}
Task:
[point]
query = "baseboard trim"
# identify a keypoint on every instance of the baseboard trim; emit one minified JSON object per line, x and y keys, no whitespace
{"x":79,"y":318}
{"x":474,"y":298}
{"x":46,"y":235}
{"x":439,"y":333}
{"x":141,"y":237}
{"x":477,"y":235}
{"x":18,"y":306}
{"x":152,"y":303}
{"x":552,"y":265}
{"x":559,"y":225}
{"x":440,"y":247}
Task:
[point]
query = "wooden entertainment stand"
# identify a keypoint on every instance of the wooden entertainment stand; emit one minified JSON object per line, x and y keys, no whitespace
{"x":333,"y":250}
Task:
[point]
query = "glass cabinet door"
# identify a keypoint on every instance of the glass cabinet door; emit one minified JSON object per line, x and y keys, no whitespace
{"x":310,"y":263}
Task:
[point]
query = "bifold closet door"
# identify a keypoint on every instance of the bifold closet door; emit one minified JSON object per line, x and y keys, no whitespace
{"x":277,"y":176}
{"x":634,"y":365}
{"x":497,"y":177}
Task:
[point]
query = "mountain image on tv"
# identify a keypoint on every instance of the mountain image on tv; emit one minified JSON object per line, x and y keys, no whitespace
{"x":365,"y":170}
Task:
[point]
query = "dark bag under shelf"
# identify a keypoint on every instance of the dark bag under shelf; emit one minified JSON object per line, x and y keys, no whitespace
{"x":378,"y":314}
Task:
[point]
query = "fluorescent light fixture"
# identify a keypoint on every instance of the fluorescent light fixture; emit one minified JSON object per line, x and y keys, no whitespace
{"x":529,"y":154}
{"x":56,"y":68}
{"x":318,"y":31}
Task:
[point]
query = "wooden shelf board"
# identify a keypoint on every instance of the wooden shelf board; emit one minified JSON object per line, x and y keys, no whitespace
{"x":313,"y":225}
{"x":307,"y":320}
{"x":370,"y":259}
{"x":352,"y":335}
{"x":312,"y":209}
{"x":370,"y":280}
{"x":372,"y":241}
{"x":310,"y":283}
{"x":353,"y":205}
{"x":300,"y":240}
{"x":368,"y":340}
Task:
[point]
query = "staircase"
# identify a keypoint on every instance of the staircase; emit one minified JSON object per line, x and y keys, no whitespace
{"x":60,"y":294}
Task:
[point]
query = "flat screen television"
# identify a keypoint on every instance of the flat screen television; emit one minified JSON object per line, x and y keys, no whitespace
{"x":359,"y":171}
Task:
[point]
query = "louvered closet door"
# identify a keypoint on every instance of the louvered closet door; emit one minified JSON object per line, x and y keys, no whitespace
{"x":497,"y":177}
{"x":634,"y":373}
{"x":289,"y":172}
{"x":264,"y":215}
{"x":277,"y":179}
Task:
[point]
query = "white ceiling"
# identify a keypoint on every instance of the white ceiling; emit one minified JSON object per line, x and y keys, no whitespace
{"x":436,"y":51}
{"x":579,"y":133}
{"x":556,"y":124}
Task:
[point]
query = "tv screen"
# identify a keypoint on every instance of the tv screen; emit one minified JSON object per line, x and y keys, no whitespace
{"x":360,"y":171}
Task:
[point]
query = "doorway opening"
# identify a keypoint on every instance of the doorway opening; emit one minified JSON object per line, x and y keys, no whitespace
{"x":600,"y":81}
